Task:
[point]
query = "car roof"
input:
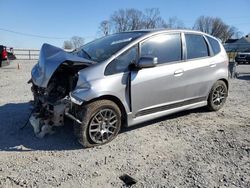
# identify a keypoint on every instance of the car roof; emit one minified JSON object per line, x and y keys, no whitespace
{"x":148,"y":32}
{"x":159,"y":30}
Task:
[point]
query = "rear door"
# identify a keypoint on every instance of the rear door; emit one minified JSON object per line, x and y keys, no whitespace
{"x":198,"y":67}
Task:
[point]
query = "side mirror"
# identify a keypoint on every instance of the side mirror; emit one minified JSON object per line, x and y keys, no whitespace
{"x":147,"y":62}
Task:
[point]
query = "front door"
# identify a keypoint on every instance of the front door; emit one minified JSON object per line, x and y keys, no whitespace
{"x":154,"y":88}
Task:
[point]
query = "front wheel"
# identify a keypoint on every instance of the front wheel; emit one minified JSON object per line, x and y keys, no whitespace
{"x":101,"y":122}
{"x":217,"y":96}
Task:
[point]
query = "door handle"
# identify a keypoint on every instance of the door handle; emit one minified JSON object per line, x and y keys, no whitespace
{"x":212,"y":65}
{"x":179,"y":72}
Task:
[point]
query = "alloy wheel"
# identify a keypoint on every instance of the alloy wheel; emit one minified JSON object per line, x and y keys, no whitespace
{"x":103,"y":126}
{"x":219,"y":95}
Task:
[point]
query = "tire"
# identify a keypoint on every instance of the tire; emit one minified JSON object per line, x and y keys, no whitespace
{"x":217,"y":96}
{"x":101,"y":122}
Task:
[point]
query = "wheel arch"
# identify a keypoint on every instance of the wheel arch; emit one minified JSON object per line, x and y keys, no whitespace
{"x":226,"y":82}
{"x":221,"y":79}
{"x":118,"y":102}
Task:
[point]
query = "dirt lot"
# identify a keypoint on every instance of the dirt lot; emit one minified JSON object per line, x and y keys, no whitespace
{"x":190,"y":149}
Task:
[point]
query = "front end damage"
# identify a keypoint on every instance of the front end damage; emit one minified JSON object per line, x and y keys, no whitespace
{"x":47,"y":113}
{"x":54,"y":77}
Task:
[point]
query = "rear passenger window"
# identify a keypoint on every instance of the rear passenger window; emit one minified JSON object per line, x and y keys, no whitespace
{"x":196,"y":46}
{"x":166,"y":47}
{"x":214,"y":44}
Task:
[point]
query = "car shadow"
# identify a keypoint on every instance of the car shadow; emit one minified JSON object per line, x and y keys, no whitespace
{"x":13,"y":117}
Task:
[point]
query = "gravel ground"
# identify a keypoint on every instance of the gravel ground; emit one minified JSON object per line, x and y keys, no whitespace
{"x":189,"y":149}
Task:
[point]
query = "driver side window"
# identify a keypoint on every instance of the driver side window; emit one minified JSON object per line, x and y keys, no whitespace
{"x":122,"y":62}
{"x":166,"y":47}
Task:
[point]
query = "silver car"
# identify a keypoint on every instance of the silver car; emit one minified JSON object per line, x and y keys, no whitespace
{"x":127,"y":78}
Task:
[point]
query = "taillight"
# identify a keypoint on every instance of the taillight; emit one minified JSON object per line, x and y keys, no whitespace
{"x":4,"y":54}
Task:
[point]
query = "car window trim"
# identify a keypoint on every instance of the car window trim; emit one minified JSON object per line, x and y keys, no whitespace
{"x":209,"y":46}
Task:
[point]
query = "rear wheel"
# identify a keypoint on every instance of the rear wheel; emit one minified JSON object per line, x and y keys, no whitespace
{"x":217,"y":96}
{"x":101,"y":122}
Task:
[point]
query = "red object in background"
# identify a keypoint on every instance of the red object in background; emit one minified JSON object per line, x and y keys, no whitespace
{"x":4,"y":54}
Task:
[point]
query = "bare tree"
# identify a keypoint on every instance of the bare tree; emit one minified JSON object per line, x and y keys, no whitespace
{"x":105,"y":27}
{"x":153,"y":19}
{"x":174,"y":23}
{"x":133,"y":19}
{"x":119,"y":20}
{"x":236,"y":33}
{"x":126,"y":20}
{"x":67,"y":45}
{"x":215,"y":27}
{"x":77,"y":41}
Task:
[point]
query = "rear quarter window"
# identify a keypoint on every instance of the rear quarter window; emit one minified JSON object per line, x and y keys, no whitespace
{"x":214,"y":45}
{"x":196,"y":46}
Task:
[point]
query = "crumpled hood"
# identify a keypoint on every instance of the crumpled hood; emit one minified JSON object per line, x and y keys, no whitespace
{"x":50,"y":59}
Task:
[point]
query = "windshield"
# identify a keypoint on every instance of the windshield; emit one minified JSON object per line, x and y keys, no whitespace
{"x":101,"y":49}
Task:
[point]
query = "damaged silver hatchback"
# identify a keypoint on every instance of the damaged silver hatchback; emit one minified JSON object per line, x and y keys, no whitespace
{"x":125,"y":79}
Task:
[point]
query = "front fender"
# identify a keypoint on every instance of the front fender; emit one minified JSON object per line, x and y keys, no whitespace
{"x":81,"y":95}
{"x":113,"y":86}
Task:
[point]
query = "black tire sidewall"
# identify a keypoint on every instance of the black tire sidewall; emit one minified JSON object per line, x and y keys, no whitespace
{"x":90,"y":111}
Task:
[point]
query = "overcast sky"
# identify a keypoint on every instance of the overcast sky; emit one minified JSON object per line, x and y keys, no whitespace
{"x":61,"y":19}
